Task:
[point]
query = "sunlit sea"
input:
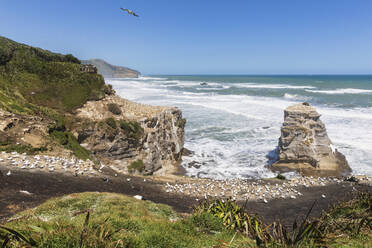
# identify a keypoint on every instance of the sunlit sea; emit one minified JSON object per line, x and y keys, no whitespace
{"x":233,"y":122}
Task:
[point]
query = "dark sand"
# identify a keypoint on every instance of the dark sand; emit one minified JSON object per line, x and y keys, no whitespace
{"x":45,"y":185}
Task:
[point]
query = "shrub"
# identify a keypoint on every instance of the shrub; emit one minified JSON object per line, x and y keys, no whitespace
{"x":111,"y":122}
{"x":136,"y":166}
{"x":207,"y":222}
{"x":132,"y":129}
{"x":114,"y":108}
{"x":108,"y":89}
{"x":280,"y":177}
{"x":72,"y":59}
{"x":234,"y":217}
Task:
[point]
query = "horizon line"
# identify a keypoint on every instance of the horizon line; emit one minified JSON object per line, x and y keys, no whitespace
{"x":253,"y":74}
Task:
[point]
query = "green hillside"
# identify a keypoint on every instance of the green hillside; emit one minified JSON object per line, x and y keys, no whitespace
{"x":34,"y":81}
{"x":31,"y":77}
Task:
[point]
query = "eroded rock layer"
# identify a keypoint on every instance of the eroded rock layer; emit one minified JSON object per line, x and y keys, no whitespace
{"x":132,"y":137}
{"x":304,"y":144}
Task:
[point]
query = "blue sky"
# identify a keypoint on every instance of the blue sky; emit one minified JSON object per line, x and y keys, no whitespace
{"x":202,"y":36}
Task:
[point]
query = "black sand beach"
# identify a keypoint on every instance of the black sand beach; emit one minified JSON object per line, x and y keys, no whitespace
{"x":45,"y":185}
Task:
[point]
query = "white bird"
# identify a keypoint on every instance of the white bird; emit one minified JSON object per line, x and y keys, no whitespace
{"x":9,"y":173}
{"x":138,"y":197}
{"x":25,"y":192}
{"x":323,"y":196}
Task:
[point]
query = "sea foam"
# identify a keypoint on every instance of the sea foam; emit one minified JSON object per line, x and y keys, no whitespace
{"x":233,"y":134}
{"x":341,"y":91}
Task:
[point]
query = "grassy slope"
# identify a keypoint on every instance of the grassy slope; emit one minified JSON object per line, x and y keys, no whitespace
{"x":32,"y":76}
{"x":38,"y":82}
{"x":344,"y":220}
{"x":122,"y":221}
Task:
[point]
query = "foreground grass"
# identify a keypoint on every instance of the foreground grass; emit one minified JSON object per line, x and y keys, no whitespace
{"x":113,"y":220}
{"x":349,"y":224}
{"x":119,"y":221}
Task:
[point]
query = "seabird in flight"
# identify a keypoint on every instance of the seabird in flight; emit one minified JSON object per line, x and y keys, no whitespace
{"x":130,"y":12}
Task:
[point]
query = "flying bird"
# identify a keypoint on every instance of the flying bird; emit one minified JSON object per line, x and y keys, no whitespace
{"x":130,"y":12}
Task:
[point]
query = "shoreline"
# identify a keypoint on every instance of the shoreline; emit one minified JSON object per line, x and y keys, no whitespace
{"x":26,"y":188}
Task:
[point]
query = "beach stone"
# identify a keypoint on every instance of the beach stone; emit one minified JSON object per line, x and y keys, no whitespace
{"x":187,"y":152}
{"x":304,"y":144}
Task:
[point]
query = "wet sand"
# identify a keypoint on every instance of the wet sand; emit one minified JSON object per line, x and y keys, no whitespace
{"x":45,"y":185}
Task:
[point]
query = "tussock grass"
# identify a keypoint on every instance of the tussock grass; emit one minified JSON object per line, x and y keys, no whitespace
{"x":113,"y":220}
{"x":348,"y":224}
{"x":118,"y":221}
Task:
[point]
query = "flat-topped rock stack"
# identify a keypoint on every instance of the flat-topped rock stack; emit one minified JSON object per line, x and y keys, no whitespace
{"x":305,"y":146}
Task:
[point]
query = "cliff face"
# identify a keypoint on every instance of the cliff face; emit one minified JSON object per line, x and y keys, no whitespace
{"x":51,"y":104}
{"x":112,"y":71}
{"x":304,"y":144}
{"x":132,"y":137}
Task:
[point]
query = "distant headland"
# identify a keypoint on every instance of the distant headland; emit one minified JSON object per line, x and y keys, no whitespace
{"x":112,"y":71}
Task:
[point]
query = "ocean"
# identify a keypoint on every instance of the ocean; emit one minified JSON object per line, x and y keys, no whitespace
{"x":233,"y":122}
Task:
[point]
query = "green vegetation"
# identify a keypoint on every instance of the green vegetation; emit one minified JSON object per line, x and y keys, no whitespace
{"x":22,"y":149}
{"x":136,"y":166}
{"x":234,"y":217}
{"x":280,"y":177}
{"x":111,"y":122}
{"x":38,"y":82}
{"x":132,"y":129}
{"x":69,"y":141}
{"x":114,"y":108}
{"x":113,"y":220}
{"x":348,"y":224}
{"x":116,"y":221}
{"x":31,"y":75}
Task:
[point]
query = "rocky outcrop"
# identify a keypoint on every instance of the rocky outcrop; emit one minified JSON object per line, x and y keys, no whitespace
{"x":88,"y":68}
{"x":51,"y":104}
{"x":132,"y":137}
{"x":305,"y":146}
{"x":112,"y":71}
{"x":29,"y":134}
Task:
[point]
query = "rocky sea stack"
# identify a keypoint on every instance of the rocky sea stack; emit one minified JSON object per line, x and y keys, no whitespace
{"x":304,"y":145}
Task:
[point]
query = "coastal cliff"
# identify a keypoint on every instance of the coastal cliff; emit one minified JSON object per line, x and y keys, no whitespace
{"x":112,"y":71}
{"x":305,"y":146}
{"x":132,"y":137}
{"x":51,"y":104}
